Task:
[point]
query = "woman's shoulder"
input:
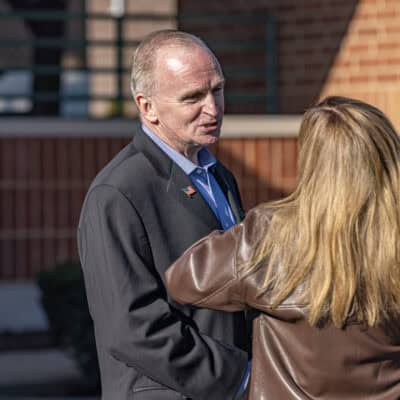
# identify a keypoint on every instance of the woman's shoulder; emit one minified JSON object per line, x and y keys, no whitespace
{"x":259,"y":216}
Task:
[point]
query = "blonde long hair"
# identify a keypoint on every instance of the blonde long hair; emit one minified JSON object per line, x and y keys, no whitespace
{"x":338,"y":235}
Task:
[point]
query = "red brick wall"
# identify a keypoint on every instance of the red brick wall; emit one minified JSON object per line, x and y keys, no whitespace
{"x":264,"y":168}
{"x":344,"y":47}
{"x":367,"y":66}
{"x":43,"y":183}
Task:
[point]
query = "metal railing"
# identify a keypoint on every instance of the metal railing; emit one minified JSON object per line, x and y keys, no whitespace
{"x":46,"y":83}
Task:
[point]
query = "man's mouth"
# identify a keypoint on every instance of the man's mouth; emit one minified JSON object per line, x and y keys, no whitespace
{"x":210,"y":125}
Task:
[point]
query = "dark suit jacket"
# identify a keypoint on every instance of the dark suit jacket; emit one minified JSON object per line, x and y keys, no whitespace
{"x":136,"y":220}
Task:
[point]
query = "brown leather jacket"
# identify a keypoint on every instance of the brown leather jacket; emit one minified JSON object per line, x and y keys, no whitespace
{"x":291,"y":359}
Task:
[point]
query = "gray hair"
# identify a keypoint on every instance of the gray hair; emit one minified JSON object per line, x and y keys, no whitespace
{"x":145,"y":56}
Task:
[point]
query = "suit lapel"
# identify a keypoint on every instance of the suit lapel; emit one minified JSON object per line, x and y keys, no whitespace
{"x":160,"y":161}
{"x":226,"y":187}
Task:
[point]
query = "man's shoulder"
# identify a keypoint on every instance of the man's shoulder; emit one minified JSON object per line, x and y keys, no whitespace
{"x":129,"y":167}
{"x":126,"y":176}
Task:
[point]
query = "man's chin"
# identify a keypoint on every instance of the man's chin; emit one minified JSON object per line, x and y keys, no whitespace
{"x":212,"y":139}
{"x":206,"y":140}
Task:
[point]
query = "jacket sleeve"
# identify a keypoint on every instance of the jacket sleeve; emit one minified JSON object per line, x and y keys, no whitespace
{"x":134,"y":322}
{"x":208,"y":273}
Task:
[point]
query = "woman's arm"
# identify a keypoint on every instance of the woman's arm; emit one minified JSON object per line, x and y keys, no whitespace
{"x":208,"y":273}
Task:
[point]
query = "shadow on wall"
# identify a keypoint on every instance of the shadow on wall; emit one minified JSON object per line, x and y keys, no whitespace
{"x":308,"y":46}
{"x":309,"y":35}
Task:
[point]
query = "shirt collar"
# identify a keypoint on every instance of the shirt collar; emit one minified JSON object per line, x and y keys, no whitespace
{"x":205,"y":157}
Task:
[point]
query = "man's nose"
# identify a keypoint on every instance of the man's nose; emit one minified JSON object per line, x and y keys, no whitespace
{"x":211,"y":105}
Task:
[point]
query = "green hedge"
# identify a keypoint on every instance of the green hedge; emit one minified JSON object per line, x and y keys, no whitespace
{"x":64,"y":300}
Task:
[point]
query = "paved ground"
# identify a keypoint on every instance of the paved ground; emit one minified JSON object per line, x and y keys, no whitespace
{"x":46,"y":397}
{"x":20,"y":308}
{"x":28,"y":367}
{"x":33,"y":371}
{"x":41,"y":373}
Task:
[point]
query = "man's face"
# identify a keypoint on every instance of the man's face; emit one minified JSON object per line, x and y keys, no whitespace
{"x":188,"y":100}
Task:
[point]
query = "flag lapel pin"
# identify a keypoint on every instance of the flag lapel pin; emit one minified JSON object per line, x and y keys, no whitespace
{"x":189,"y":191}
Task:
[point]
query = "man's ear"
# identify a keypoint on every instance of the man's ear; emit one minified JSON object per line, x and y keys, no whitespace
{"x":146,"y":108}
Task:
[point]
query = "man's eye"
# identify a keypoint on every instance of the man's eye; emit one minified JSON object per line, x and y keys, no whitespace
{"x":218,"y":90}
{"x":192,"y":99}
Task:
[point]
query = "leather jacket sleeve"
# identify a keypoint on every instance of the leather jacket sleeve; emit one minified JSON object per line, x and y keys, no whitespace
{"x":208,"y":274}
